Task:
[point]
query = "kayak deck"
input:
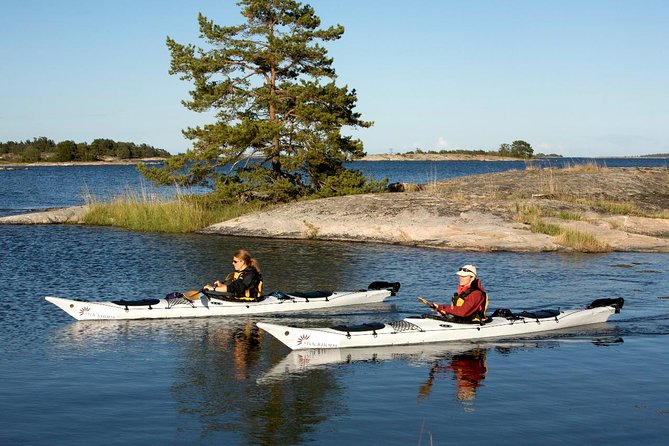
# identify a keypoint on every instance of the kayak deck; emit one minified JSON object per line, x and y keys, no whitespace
{"x":427,"y":329}
{"x":177,"y":305}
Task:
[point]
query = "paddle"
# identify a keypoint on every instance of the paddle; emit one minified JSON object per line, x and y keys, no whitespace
{"x":192,"y":294}
{"x":426,"y":302}
{"x":430,"y":304}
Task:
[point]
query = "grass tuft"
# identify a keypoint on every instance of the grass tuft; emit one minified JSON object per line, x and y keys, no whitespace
{"x":578,"y":240}
{"x":567,"y":215}
{"x":143,"y":212}
{"x":583,"y":241}
{"x":588,"y":167}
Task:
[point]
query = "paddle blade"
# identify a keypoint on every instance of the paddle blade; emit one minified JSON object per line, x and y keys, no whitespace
{"x":192,"y":295}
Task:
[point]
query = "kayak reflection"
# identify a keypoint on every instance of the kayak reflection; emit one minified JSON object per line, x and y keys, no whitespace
{"x":468,"y":369}
{"x":301,"y":361}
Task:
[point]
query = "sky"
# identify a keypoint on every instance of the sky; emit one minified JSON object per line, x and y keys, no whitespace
{"x":570,"y":77}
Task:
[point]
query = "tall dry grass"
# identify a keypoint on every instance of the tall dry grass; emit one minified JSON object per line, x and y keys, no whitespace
{"x":140,"y":211}
{"x":588,"y":167}
{"x":532,"y":215}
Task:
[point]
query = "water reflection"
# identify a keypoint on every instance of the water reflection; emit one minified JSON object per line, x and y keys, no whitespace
{"x":229,"y":381}
{"x":216,"y":383}
{"x":468,"y":369}
{"x":299,"y":363}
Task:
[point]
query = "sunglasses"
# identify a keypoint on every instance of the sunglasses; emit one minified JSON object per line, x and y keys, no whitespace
{"x":466,"y":270}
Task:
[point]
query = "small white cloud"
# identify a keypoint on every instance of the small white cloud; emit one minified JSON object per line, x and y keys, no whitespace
{"x":442,"y":143}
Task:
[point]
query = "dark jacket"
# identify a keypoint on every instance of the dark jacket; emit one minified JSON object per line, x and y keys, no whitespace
{"x":245,"y":283}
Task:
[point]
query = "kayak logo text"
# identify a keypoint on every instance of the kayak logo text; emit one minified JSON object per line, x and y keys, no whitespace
{"x":303,"y":339}
{"x":88,"y":312}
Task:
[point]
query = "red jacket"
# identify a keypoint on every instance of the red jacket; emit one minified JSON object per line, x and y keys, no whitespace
{"x":468,"y":301}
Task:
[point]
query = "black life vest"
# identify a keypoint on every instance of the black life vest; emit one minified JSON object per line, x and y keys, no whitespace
{"x":252,"y":292}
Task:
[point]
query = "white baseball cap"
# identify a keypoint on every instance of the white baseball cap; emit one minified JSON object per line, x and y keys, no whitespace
{"x":467,"y":270}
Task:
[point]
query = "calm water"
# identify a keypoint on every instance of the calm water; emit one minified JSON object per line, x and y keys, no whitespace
{"x":221,"y":381}
{"x":33,"y":188}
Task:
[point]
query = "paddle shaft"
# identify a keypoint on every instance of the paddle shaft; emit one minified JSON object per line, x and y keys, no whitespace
{"x":432,"y":305}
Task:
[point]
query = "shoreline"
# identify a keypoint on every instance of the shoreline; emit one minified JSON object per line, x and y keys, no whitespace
{"x":465,"y":157}
{"x":8,"y":165}
{"x":4,"y":165}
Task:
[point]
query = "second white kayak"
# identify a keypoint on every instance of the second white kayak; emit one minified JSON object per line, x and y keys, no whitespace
{"x":427,"y":329}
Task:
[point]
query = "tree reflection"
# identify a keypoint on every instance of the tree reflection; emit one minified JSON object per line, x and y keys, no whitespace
{"x":217,"y":384}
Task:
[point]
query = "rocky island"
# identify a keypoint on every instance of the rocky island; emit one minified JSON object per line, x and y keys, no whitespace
{"x":615,"y":209}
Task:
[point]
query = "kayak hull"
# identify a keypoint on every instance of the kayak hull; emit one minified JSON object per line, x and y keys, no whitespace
{"x":423,"y":330}
{"x":204,"y":306}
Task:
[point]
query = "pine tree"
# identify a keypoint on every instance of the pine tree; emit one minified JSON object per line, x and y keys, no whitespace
{"x":278,"y":111}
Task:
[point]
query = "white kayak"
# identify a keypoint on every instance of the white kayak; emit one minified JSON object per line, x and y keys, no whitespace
{"x":426,"y":328}
{"x":199,"y":304}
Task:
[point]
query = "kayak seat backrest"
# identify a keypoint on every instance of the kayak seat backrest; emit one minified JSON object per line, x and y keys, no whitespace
{"x":503,"y":312}
{"x":372,"y":326}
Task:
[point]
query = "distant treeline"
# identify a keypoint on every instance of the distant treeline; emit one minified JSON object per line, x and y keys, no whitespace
{"x":502,"y":153}
{"x":45,"y":149}
{"x":517,"y":149}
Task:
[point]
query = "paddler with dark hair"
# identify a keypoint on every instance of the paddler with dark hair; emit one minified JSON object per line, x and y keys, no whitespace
{"x":469,"y":302}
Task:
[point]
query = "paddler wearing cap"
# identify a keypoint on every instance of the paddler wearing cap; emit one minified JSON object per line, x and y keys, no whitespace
{"x":470,"y":302}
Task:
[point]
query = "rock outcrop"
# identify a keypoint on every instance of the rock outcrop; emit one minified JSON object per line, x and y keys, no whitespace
{"x":626,"y":209}
{"x":52,"y":216}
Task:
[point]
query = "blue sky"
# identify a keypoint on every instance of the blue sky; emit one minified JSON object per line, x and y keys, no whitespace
{"x":577,"y":78}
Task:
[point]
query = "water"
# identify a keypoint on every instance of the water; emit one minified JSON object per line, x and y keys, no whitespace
{"x":33,"y":188}
{"x":429,"y":171}
{"x":222,"y":381}
{"x":26,"y":189}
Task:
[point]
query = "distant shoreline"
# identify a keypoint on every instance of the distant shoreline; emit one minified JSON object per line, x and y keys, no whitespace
{"x":465,"y":157}
{"x":82,"y":163}
{"x":434,"y":157}
{"x":368,"y":158}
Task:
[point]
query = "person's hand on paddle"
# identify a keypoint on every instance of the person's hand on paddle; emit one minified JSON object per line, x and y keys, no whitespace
{"x":217,"y":284}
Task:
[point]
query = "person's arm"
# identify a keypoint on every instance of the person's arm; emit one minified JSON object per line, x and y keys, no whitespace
{"x":220,"y":286}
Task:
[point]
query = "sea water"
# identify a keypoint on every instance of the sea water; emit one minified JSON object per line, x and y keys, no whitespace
{"x":223,"y":381}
